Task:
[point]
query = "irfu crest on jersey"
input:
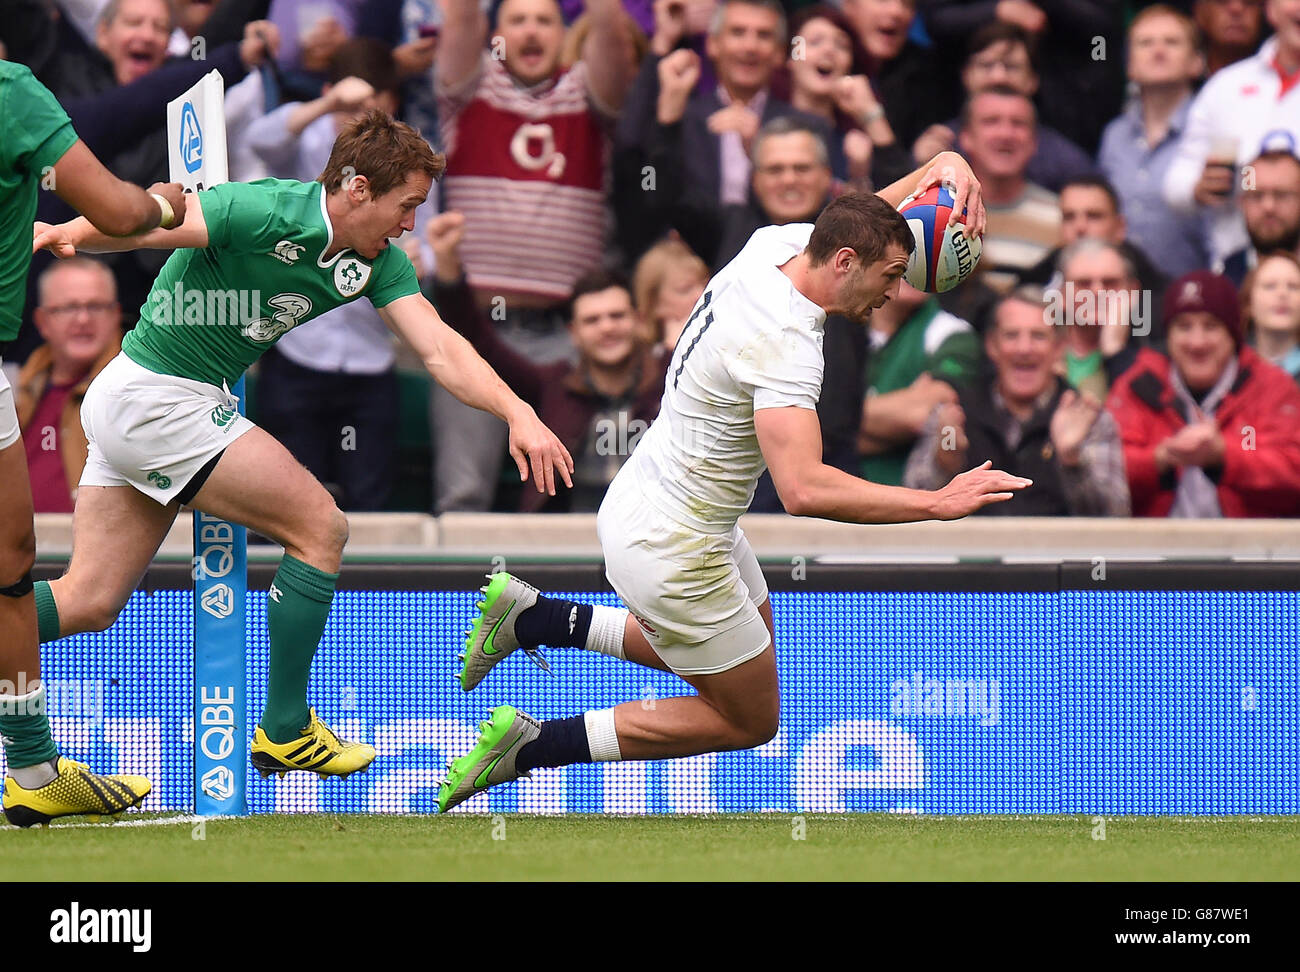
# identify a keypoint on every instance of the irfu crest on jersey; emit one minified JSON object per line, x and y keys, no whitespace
{"x":350,"y":276}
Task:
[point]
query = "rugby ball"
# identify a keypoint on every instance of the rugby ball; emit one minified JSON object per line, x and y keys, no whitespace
{"x":943,"y":257}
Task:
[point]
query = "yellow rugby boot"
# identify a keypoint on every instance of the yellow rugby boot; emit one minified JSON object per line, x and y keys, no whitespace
{"x":74,"y":792}
{"x":317,"y":750}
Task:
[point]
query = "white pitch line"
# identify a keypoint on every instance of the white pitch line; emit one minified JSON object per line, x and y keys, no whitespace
{"x":151,"y":822}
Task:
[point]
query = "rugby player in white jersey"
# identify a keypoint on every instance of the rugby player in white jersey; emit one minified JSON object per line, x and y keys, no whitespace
{"x":740,"y":395}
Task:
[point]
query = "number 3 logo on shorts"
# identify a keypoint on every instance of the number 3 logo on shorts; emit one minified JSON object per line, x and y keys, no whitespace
{"x":290,"y":309}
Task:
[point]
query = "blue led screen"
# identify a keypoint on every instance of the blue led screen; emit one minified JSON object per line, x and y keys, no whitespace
{"x":1067,"y":702}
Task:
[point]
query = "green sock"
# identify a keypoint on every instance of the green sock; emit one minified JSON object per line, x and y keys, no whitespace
{"x":26,"y":730}
{"x":296,"y":609}
{"x":47,"y":612}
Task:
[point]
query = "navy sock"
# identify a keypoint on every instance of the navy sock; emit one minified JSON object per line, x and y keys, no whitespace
{"x":555,"y":623}
{"x":562,"y":743}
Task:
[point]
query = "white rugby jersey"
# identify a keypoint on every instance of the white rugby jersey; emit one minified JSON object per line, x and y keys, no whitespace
{"x":753,"y":341}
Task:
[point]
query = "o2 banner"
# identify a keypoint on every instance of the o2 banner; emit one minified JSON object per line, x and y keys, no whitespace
{"x":1143,"y":702}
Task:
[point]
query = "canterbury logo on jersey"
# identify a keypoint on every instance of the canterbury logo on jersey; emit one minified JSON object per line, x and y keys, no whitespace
{"x":287,"y":252}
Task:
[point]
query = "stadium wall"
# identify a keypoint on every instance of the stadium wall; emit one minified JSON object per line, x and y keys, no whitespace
{"x":1106,"y":688}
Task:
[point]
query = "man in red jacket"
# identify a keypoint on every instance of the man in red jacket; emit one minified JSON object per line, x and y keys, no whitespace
{"x":1211,"y":429}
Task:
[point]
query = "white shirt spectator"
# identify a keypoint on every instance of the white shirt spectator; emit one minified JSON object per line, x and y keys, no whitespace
{"x":1243,"y":103}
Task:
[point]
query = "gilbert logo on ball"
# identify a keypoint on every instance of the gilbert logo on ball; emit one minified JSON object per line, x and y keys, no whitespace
{"x":943,"y":257}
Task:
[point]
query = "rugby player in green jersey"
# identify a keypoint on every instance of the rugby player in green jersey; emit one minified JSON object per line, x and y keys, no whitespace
{"x":253,"y":261}
{"x":40,"y":150}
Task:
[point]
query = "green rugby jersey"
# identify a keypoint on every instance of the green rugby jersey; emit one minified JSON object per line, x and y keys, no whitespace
{"x":930,"y":340}
{"x":213,"y":312}
{"x":34,"y":134}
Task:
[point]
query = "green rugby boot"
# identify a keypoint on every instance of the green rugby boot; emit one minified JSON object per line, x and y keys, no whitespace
{"x":493,"y":636}
{"x":492,"y":760}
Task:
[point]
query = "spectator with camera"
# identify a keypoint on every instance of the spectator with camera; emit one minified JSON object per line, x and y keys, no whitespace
{"x":1245,"y":108}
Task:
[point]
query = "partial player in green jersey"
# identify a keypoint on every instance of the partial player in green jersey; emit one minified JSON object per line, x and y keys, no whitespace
{"x":39,"y":150}
{"x":253,"y":261}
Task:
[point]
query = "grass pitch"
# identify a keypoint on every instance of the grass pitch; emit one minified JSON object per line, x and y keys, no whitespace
{"x":856,"y":847}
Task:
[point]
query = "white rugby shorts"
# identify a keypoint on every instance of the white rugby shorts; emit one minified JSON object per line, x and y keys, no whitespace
{"x":9,"y":431}
{"x":154,"y":432}
{"x":695,"y":595}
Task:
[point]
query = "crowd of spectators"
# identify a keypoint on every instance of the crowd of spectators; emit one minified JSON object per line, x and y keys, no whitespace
{"x":1130,"y":339}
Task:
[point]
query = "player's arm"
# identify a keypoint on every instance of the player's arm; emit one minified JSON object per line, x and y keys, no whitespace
{"x":791,"y":441}
{"x":455,"y":365}
{"x":115,"y":207}
{"x":66,"y":239}
{"x":944,"y":167}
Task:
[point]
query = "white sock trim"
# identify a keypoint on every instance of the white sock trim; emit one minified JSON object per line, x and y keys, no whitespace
{"x":31,"y":703}
{"x":606,"y":632}
{"x":602,"y":740}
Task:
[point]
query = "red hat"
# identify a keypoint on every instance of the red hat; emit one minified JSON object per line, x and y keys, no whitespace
{"x":1202,"y":290}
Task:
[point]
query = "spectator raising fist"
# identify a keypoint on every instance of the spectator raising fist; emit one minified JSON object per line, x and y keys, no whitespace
{"x":445,"y":233}
{"x":670,"y":26}
{"x":678,"y":74}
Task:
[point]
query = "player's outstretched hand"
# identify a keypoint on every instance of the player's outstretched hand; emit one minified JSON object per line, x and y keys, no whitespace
{"x":535,"y":448}
{"x":975,"y":489}
{"x":52,"y":238}
{"x":952,"y":168}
